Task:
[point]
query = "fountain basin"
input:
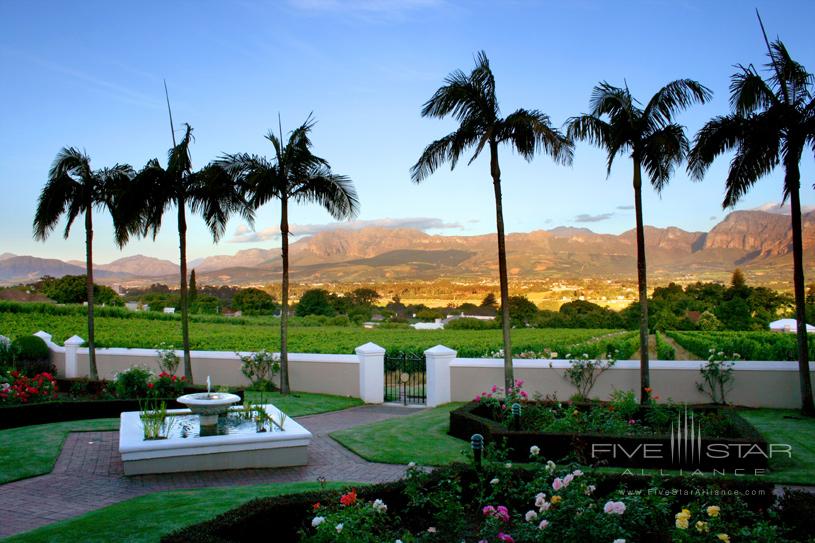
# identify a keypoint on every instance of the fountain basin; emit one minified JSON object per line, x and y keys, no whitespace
{"x":208,"y":405}
{"x":270,"y":449}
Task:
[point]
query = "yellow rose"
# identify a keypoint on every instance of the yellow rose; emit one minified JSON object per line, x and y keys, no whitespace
{"x":556,"y":499}
{"x":682,"y":523}
{"x":713,"y":511}
{"x":724,"y":537}
{"x":702,"y":526}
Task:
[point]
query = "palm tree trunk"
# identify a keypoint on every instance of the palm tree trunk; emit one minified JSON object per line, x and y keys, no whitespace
{"x":284,"y":308}
{"x":495,"y":171}
{"x":792,"y":182}
{"x":642,"y":280}
{"x":185,"y":324}
{"x":89,"y":284}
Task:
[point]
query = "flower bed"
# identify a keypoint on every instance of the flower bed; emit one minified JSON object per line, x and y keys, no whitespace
{"x":500,"y":503}
{"x":594,"y":434}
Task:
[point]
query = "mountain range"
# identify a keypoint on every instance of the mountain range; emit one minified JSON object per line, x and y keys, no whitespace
{"x":755,"y":240}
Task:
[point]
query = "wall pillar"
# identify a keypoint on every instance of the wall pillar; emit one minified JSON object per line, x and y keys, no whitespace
{"x":72,"y":345}
{"x":438,"y":374}
{"x":371,"y":373}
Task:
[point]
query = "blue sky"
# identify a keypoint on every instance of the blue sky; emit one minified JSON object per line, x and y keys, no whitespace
{"x":89,"y":74}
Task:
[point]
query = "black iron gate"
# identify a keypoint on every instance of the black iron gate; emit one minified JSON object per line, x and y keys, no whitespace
{"x":405,"y":378}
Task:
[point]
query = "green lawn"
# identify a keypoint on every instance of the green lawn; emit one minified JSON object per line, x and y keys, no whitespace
{"x":32,"y":450}
{"x":787,"y":426}
{"x":298,"y":404}
{"x":149,"y":517}
{"x":420,"y":438}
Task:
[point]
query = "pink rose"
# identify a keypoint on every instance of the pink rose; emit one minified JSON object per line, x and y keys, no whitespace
{"x":557,"y":484}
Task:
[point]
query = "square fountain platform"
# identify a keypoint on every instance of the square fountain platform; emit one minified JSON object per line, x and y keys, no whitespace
{"x":187,"y":451}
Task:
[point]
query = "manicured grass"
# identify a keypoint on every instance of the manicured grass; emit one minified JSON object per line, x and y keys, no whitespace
{"x":298,"y":404}
{"x":148,"y":518}
{"x":420,"y":438}
{"x":787,"y":426}
{"x":32,"y":450}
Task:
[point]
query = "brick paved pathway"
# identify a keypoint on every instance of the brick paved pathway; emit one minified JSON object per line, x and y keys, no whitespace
{"x":88,"y":473}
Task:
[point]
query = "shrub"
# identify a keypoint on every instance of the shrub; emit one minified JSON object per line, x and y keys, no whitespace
{"x":167,"y":359}
{"x":30,"y":355}
{"x":260,"y":368}
{"x":469,"y":323}
{"x":717,"y":376}
{"x":168,"y":385}
{"x":583,"y":373}
{"x":134,"y":382}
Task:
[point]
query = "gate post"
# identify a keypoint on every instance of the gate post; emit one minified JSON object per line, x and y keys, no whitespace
{"x":371,"y":373}
{"x":438,"y":374}
{"x":71,"y":360}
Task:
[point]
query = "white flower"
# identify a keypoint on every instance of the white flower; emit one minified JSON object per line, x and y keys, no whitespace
{"x":712,"y":350}
{"x":494,"y":481}
{"x":508,"y":465}
{"x":530,"y":516}
{"x":316,"y":521}
{"x":540,"y":499}
{"x":380,"y":506}
{"x":544,"y":523}
{"x":550,"y":467}
{"x":615,"y":508}
{"x":411,"y":464}
{"x":400,"y":541}
{"x":534,"y":450}
{"x":577,"y":473}
{"x":339,"y":527}
{"x":618,"y":541}
{"x":590,"y":490}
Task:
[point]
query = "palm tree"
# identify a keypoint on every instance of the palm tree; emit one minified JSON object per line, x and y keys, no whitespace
{"x":653,"y":141}
{"x":209,"y":192}
{"x":295,"y":174}
{"x":73,"y":188}
{"x":772,"y":122}
{"x":470,"y":99}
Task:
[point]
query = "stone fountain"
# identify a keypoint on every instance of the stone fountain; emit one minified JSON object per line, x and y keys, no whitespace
{"x":209,"y":405}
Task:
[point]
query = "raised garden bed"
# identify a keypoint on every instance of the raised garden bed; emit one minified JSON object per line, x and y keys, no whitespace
{"x":740,"y":450}
{"x":448,"y":505}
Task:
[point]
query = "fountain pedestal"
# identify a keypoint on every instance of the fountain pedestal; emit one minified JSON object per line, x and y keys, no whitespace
{"x":209,"y":405}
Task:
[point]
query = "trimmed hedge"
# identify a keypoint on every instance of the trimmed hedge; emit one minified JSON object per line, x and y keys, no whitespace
{"x":630,"y":452}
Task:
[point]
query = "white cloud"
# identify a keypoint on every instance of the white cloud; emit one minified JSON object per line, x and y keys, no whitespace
{"x":244,"y":235}
{"x":778,"y":209}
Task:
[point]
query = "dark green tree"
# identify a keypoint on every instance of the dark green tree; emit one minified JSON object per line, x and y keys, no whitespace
{"x":772,"y":123}
{"x":489,"y":301}
{"x":315,"y":302}
{"x":471,"y":101}
{"x":650,"y":137}
{"x":254,"y":301}
{"x":193,"y":287}
{"x":296,"y":175}
{"x":74,"y":189}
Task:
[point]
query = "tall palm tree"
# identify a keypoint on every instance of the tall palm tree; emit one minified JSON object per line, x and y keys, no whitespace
{"x":653,"y":141}
{"x":471,"y":100}
{"x":294,"y":174}
{"x":209,"y":192}
{"x":73,"y":188}
{"x":772,"y":122}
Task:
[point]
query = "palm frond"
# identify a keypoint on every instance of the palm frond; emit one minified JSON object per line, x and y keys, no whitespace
{"x":673,"y":98}
{"x":65,"y":191}
{"x":466,"y":97}
{"x":716,"y":137}
{"x":749,"y":93}
{"x":335,"y":193}
{"x":606,"y":99}
{"x":756,"y":156}
{"x":790,"y":77}
{"x":216,"y":196}
{"x":530,"y":131}
{"x":662,"y":151}
{"x":443,"y":150}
